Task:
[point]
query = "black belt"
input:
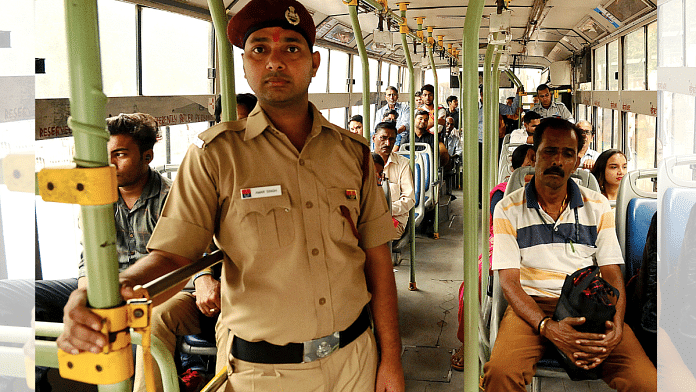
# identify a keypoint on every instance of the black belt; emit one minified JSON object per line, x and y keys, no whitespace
{"x":264,"y":352}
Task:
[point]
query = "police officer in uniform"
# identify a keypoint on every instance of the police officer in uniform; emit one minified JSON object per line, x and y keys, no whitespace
{"x":292,"y":201}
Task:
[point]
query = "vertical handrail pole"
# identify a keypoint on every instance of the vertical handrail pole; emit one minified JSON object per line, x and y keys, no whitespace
{"x":404,"y":30}
{"x":487,"y":137}
{"x":435,"y":167}
{"x":469,"y":100}
{"x":353,"y":10}
{"x":87,"y":121}
{"x":228,"y":98}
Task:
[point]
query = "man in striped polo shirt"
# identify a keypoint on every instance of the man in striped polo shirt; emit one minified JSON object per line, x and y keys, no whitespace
{"x":543,"y":232}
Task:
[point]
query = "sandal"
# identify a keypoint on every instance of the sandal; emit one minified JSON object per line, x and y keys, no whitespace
{"x":457,"y":360}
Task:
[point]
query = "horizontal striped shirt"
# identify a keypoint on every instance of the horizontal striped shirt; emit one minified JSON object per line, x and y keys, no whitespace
{"x":527,"y":238}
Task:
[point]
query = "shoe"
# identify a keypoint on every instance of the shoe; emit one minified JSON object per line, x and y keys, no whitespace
{"x":192,"y":380}
{"x":457,"y":360}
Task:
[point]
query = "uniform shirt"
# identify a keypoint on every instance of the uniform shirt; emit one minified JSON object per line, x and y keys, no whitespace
{"x":293,"y":269}
{"x":401,"y":186}
{"x":404,"y":115}
{"x":134,"y":225}
{"x":555,"y":109}
{"x":526,"y":238}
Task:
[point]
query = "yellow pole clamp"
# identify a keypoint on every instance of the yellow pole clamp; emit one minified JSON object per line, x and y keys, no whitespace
{"x":351,"y":2}
{"x":403,"y":6}
{"x":403,"y":28}
{"x":115,"y":363}
{"x":83,"y":186}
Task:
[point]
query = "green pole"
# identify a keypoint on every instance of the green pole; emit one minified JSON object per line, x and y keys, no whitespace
{"x":435,"y":169}
{"x":469,"y":100}
{"x":353,"y":9}
{"x":488,"y":132}
{"x":493,"y":169}
{"x":225,"y":61}
{"x":87,"y":121}
{"x":411,"y":156}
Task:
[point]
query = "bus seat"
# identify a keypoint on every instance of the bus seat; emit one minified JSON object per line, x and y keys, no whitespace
{"x":585,"y":179}
{"x":426,"y":152}
{"x":638,"y":216}
{"x":516,"y":180}
{"x":676,"y":198}
{"x":418,"y":182}
{"x":198,"y":345}
{"x":628,"y":190}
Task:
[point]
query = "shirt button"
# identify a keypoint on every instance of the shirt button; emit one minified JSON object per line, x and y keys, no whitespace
{"x":315,"y":252}
{"x":301,"y":162}
{"x":322,"y":301}
{"x":309,"y":204}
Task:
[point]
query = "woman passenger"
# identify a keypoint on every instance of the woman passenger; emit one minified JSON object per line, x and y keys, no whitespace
{"x":609,"y":169}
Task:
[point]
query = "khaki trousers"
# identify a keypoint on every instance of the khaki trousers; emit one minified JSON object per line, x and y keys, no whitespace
{"x":518,"y":348}
{"x":178,"y":316}
{"x":350,"y":369}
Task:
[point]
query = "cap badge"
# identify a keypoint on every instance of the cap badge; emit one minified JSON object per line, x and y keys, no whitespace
{"x":292,"y":17}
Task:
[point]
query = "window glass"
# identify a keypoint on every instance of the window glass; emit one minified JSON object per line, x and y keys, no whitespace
{"x":357,"y":74}
{"x":117,"y":38}
{"x":671,"y":35}
{"x":690,"y":33}
{"x":634,"y":60}
{"x":175,"y":54}
{"x":57,"y":222}
{"x":652,"y":56}
{"x":613,"y":65}
{"x":600,"y":68}
{"x":50,"y":22}
{"x":582,"y":112}
{"x":394,"y":76}
{"x":339,"y":73}
{"x":604,"y":143}
{"x":318,"y":84}
{"x":117,"y":43}
{"x":385,"y":78}
{"x":642,"y":144}
{"x":338,"y":116}
{"x":615,"y":130}
{"x":178,"y":140}
{"x":240,"y":83}
{"x":680,"y":137}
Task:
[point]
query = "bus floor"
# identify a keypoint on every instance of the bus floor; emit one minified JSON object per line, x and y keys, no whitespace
{"x":428,"y":316}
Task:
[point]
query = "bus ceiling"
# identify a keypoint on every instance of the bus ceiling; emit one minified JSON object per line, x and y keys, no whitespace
{"x":540,"y":32}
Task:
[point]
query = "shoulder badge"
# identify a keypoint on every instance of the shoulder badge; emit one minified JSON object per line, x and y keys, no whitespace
{"x":291,"y":16}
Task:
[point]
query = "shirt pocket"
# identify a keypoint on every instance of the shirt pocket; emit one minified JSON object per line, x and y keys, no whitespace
{"x":340,"y":228}
{"x":266,"y":223}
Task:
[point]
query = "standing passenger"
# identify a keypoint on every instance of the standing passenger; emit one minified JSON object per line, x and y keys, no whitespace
{"x":547,"y":108}
{"x":293,"y":203}
{"x":428,"y":95}
{"x":403,"y":113}
{"x":587,"y":155}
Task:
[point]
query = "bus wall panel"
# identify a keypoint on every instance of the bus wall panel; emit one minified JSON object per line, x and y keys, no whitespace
{"x":677,"y":80}
{"x":52,"y":114}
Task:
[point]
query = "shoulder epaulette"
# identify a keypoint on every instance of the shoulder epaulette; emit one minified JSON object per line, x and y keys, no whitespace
{"x":204,"y":138}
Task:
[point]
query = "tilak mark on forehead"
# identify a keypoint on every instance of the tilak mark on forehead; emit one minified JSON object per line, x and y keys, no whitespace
{"x":276,"y":34}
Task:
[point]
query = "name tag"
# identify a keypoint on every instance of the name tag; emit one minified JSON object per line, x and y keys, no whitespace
{"x":264,"y":191}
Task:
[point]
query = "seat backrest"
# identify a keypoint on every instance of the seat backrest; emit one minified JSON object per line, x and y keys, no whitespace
{"x":586,"y":179}
{"x":638,"y":216}
{"x":418,"y":180}
{"x":516,"y":180}
{"x":427,"y":160}
{"x":629,"y":190}
{"x":676,"y":197}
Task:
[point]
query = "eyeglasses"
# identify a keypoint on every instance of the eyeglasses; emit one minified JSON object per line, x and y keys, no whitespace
{"x":587,"y":133}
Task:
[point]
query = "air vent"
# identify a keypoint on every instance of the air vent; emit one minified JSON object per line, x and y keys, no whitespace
{"x":591,"y":29}
{"x":626,"y":10}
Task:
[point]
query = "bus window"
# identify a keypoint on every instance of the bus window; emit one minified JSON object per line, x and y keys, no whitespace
{"x":652,"y":56}
{"x":240,"y":83}
{"x":339,"y":73}
{"x":690,"y":34}
{"x":175,"y":54}
{"x":640,"y":149}
{"x":117,"y":40}
{"x":319,"y":81}
{"x":671,"y":35}
{"x":176,"y":139}
{"x":613,"y":65}
{"x":600,"y":68}
{"x":634,"y":60}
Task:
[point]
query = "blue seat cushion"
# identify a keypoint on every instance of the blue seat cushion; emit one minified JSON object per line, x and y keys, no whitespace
{"x":638,"y":216}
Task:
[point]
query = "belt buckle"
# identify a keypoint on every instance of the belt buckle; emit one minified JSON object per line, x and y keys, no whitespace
{"x":320,"y":348}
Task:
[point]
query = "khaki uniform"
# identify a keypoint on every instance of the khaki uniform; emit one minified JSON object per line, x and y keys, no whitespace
{"x":293,"y":269}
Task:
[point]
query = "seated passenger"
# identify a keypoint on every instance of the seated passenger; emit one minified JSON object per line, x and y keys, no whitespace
{"x":423,"y":136}
{"x":398,"y":173}
{"x":379,"y":167}
{"x":587,"y":155}
{"x":522,"y":156}
{"x":534,"y":251}
{"x":526,"y":135}
{"x":391,"y":115}
{"x":355,"y":124}
{"x":609,"y":169}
